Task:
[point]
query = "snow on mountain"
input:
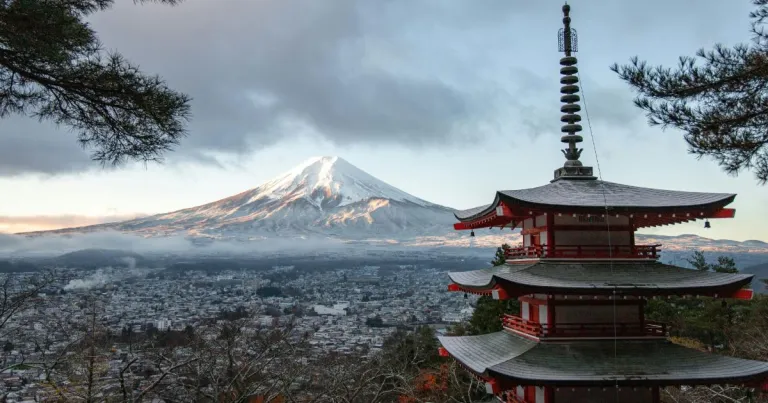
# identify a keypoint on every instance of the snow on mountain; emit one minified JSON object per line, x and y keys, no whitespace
{"x":329,"y":182}
{"x":671,"y":244}
{"x":329,"y":197}
{"x":325,"y":195}
{"x":689,"y":242}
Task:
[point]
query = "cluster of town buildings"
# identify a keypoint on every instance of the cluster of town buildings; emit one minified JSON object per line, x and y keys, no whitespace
{"x":344,"y":310}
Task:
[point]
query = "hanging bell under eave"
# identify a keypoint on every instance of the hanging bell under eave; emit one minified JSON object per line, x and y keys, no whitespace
{"x":706,"y":224}
{"x":472,"y":233}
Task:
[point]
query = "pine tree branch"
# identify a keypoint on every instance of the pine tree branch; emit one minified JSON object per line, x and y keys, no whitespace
{"x":53,"y":67}
{"x":721,"y":105}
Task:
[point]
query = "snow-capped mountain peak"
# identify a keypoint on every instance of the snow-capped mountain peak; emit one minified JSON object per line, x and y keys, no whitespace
{"x":323,"y":195}
{"x":328,"y":182}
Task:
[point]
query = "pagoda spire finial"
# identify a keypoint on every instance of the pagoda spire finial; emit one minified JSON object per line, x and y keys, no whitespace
{"x":568,"y":44}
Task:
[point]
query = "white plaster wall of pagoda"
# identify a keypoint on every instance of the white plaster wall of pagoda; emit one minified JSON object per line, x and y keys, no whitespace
{"x":543,"y":317}
{"x":596,"y":314}
{"x":609,"y":395}
{"x":525,"y":310}
{"x":583,"y":220}
{"x":533,"y":394}
{"x":544,"y":238}
{"x":520,"y":391}
{"x":573,"y":238}
{"x":541,"y":221}
{"x":528,"y":223}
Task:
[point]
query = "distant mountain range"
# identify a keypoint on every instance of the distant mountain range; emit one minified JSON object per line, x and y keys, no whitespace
{"x":99,"y":258}
{"x":328,"y":197}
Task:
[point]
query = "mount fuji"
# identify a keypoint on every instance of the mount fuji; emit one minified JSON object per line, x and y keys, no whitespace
{"x":327,"y":197}
{"x":324,"y":196}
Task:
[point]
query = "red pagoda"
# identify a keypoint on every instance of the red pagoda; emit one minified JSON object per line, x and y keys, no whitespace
{"x":583,"y":284}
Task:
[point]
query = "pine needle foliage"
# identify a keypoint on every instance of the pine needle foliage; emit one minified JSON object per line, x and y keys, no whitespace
{"x":718,"y":99}
{"x":53,"y":67}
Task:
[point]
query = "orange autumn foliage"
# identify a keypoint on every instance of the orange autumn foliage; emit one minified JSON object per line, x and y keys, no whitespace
{"x":260,"y":399}
{"x":428,"y":382}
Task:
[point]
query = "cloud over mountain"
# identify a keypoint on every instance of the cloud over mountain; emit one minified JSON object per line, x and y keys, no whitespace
{"x":13,"y":224}
{"x":427,"y":73}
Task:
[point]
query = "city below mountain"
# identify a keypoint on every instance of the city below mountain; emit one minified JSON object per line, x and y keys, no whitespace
{"x":325,"y":207}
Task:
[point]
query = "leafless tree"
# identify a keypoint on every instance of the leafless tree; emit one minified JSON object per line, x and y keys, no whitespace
{"x":85,"y":368}
{"x":234,"y":362}
{"x":19,"y":292}
{"x":712,"y":394}
{"x":750,"y":342}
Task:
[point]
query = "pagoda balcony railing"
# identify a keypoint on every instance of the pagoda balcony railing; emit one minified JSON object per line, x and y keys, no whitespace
{"x":543,"y":330}
{"x":650,"y":252}
{"x":510,"y":397}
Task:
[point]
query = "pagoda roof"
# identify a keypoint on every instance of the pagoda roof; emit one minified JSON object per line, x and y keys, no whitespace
{"x":585,"y":277}
{"x":583,"y":194}
{"x":508,"y":357}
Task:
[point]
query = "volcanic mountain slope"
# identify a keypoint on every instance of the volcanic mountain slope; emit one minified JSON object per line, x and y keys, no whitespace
{"x":324,"y":195}
{"x":328,"y":196}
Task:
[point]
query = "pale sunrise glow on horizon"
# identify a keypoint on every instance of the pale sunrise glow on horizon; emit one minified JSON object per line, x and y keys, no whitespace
{"x":445,"y":101}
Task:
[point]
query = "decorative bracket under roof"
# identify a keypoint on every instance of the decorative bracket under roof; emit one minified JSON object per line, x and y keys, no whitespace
{"x":567,"y":41}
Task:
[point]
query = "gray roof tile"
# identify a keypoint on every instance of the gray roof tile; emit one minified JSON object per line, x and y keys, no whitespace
{"x":630,"y":361}
{"x":484,"y":351}
{"x":596,"y":194}
{"x":461,"y":214}
{"x":643,"y":277}
{"x":597,"y":362}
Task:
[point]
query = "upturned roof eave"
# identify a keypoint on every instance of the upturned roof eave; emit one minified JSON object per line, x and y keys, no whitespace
{"x":488,"y":279}
{"x":631,"y":380}
{"x":514,"y":360}
{"x":524,"y":289}
{"x":482,"y":211}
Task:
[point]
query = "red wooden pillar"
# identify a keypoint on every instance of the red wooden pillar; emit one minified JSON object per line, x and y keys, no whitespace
{"x":530,"y":393}
{"x":533,"y":314}
{"x":656,"y":395}
{"x":551,"y":314}
{"x":550,"y":233}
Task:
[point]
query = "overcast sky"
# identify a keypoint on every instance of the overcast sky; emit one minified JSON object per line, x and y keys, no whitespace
{"x":449,"y":100}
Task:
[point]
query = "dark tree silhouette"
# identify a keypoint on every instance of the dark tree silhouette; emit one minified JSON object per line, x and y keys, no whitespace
{"x":724,"y":264}
{"x":500,"y":257}
{"x":487,"y":315}
{"x":488,"y":312}
{"x":375,"y":321}
{"x":721,"y":105}
{"x":266,"y":292}
{"x":53,"y":67}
